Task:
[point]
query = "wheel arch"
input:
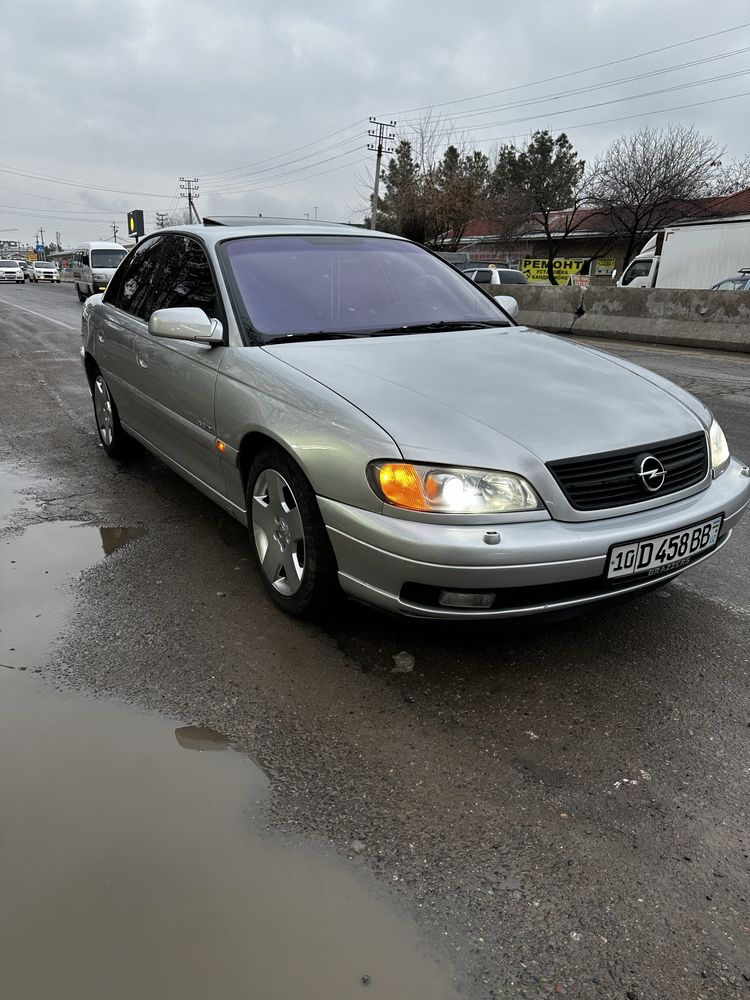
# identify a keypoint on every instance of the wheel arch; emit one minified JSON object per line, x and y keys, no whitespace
{"x":91,"y":368}
{"x":251,"y":445}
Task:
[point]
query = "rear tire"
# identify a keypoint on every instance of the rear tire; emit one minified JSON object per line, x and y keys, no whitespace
{"x":115,"y":441}
{"x":288,"y":538}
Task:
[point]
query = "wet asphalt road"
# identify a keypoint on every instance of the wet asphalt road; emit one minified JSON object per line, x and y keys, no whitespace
{"x":562,"y":808}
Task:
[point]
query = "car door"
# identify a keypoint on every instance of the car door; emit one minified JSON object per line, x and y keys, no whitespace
{"x":116,"y":325}
{"x":178,"y":377}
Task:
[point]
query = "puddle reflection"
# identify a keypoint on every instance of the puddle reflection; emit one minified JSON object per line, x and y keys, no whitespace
{"x":202,"y":738}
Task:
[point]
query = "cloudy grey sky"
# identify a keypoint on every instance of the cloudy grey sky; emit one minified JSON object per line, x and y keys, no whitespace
{"x":268,"y":103}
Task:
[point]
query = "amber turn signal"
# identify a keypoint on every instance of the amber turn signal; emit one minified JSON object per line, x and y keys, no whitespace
{"x":401,"y":485}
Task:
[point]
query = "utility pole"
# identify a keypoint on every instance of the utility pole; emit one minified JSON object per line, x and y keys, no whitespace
{"x":189,"y":189}
{"x":114,"y":233}
{"x":161,"y":220}
{"x":383,"y":134}
{"x":315,"y":209}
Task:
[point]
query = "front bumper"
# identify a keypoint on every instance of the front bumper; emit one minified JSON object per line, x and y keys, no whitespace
{"x":538,"y":567}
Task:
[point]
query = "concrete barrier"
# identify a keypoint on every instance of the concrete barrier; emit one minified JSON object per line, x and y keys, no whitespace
{"x":680,"y":316}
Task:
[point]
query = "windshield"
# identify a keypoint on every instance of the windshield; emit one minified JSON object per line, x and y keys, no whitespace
{"x":9,"y":263}
{"x":106,"y":258}
{"x":297,"y":285}
{"x":42,"y":266}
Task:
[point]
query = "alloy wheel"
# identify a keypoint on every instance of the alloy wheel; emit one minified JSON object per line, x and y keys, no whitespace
{"x":278,"y":532}
{"x":103,"y":409}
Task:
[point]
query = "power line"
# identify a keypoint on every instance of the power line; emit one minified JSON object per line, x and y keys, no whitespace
{"x":296,"y":180}
{"x":79,"y":184}
{"x":239,"y":187}
{"x":601,"y":104}
{"x":591,"y":87}
{"x":576,"y":72}
{"x":233,"y":181}
{"x":624,"y":118}
{"x":288,"y":152}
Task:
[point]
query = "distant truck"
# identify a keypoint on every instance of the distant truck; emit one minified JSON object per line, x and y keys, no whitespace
{"x":691,"y":255}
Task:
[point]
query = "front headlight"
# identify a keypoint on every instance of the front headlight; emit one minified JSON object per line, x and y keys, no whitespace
{"x":444,"y":490}
{"x":719,"y":448}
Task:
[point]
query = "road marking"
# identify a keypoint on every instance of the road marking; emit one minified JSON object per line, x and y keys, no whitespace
{"x":31,"y":312}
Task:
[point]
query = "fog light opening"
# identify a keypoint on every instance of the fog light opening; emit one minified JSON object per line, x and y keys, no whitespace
{"x":459,"y":599}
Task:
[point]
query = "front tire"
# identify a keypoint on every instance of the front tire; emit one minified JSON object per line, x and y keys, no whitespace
{"x":288,"y":538}
{"x":81,"y":296}
{"x":114,"y":440}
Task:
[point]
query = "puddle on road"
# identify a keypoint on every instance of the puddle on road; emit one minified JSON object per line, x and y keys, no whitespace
{"x":13,"y":493}
{"x":35,"y":567}
{"x":129,"y":868}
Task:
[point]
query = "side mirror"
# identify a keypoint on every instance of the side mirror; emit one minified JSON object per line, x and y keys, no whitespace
{"x":185,"y":324}
{"x":509,"y":304}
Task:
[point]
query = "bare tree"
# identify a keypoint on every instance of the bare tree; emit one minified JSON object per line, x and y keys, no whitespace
{"x":650,"y":178}
{"x":731,"y":177}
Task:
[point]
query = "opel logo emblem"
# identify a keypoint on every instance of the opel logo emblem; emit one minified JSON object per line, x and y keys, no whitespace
{"x":651,"y":473}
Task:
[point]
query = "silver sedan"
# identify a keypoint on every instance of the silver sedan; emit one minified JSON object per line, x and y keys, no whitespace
{"x":384,"y":427}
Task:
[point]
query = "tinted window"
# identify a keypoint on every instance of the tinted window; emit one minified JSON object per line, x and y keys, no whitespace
{"x":186,"y":279}
{"x":106,"y":258}
{"x":165,"y":273}
{"x":133,"y":292}
{"x":483,"y":277}
{"x":306,"y":284}
{"x":512,"y":278}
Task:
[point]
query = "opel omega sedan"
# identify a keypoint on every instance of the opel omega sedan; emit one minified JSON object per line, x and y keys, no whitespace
{"x":384,"y":427}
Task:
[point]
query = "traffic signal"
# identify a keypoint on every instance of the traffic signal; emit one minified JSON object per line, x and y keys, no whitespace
{"x":135,"y":223}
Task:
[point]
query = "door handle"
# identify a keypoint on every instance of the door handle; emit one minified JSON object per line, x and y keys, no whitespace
{"x":100,"y":338}
{"x":142,"y":363}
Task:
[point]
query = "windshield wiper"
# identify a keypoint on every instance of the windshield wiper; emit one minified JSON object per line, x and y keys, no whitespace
{"x":295,"y":338}
{"x":394,"y":331}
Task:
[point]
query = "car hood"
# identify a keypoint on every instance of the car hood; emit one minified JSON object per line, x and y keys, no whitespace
{"x":496,"y":396}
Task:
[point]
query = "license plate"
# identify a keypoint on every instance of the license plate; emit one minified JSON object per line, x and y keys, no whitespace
{"x":664,"y":553}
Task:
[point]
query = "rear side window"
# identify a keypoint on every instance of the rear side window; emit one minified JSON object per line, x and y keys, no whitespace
{"x":483,"y":277}
{"x":133,"y":289}
{"x":166,"y":272}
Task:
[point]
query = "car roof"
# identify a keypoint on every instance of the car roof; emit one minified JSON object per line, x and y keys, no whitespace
{"x":214,"y":232}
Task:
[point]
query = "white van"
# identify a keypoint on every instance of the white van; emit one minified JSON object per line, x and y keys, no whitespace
{"x":92,"y":265}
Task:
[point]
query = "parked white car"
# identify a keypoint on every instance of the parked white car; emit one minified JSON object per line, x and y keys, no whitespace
{"x":10,"y":270}
{"x":497,"y":276}
{"x":42,"y":270}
